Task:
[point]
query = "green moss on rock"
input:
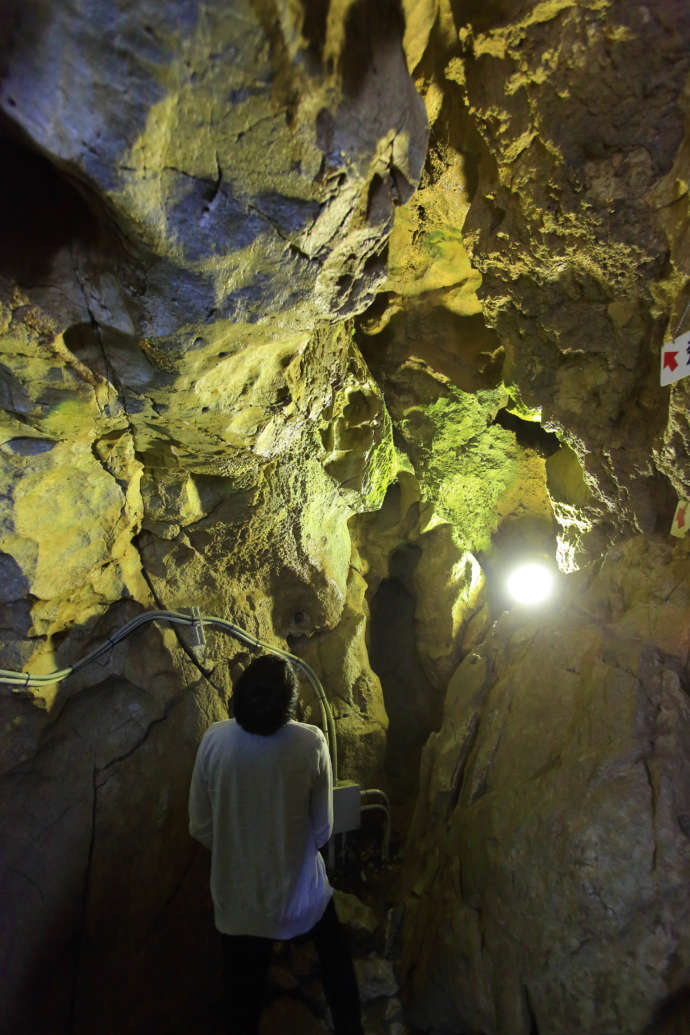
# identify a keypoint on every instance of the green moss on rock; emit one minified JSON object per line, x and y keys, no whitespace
{"x":464,"y":462}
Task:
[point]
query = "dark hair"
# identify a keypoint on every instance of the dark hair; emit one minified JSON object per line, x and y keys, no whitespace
{"x":265,"y":696}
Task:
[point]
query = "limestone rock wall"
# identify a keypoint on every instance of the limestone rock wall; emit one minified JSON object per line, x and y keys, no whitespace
{"x":244,"y":151}
{"x":269,"y":346}
{"x":554,"y":203}
{"x":550,"y":840}
{"x":195,"y":197}
{"x":547,"y":859}
{"x":584,"y":125}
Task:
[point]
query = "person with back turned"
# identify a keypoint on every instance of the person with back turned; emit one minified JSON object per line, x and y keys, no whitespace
{"x":261,"y":801}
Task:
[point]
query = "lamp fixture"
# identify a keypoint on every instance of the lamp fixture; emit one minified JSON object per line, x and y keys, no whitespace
{"x":530,"y":583}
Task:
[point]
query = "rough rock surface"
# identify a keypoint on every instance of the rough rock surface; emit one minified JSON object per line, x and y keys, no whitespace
{"x":558,"y":146}
{"x":245,"y":364}
{"x":245,"y":151}
{"x":551,"y":832}
{"x":195,"y":197}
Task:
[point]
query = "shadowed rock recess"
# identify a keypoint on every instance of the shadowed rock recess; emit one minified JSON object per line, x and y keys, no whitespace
{"x":317,"y":315}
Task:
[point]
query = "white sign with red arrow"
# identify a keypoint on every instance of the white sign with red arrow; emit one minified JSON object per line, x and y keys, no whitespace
{"x":681,"y":519}
{"x":675,"y":359}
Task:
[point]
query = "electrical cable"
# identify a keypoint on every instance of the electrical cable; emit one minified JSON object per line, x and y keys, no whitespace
{"x":24,"y":680}
{"x":374,"y":791}
{"x":326,"y":713}
{"x":379,"y":807}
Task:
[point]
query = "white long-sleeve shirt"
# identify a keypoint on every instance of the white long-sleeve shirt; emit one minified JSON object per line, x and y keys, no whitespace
{"x":264,"y":806}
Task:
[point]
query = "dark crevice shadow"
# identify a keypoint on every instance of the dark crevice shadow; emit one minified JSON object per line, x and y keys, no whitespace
{"x":9,"y":20}
{"x":41,"y":209}
{"x":367,"y":27}
{"x":411,"y":702}
{"x":529,"y":433}
{"x":672,"y":1017}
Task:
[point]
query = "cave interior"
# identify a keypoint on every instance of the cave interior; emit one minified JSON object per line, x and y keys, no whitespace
{"x":321,"y":317}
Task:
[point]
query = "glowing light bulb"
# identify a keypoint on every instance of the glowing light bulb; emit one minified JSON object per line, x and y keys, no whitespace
{"x":530,"y":583}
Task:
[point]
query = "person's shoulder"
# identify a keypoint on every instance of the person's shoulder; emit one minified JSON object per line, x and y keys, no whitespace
{"x":305,"y":732}
{"x":218,"y":730}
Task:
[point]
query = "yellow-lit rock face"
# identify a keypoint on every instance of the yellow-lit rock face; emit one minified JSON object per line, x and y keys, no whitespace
{"x":186,"y":419}
{"x":555,"y":786}
{"x":312,"y":315}
{"x":237,"y":162}
{"x":427,"y":251}
{"x":571,"y":193}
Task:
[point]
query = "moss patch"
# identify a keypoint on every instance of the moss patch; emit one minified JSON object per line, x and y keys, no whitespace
{"x":464,"y":462}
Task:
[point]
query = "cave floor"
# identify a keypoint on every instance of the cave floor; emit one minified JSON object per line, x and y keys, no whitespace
{"x":295,"y":1003}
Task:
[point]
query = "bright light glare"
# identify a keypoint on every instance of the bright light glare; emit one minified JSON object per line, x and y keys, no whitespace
{"x":530,"y":584}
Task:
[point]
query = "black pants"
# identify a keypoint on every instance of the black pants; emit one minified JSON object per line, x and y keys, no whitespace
{"x":246,"y":963}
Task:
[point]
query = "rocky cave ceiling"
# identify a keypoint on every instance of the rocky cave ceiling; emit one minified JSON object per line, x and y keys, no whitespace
{"x":313,"y":314}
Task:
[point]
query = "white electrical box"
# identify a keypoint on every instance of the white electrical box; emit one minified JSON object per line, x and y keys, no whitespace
{"x":346,"y":806}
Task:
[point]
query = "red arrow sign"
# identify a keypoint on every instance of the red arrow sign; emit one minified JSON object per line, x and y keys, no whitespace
{"x":674,"y":363}
{"x":679,"y":525}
